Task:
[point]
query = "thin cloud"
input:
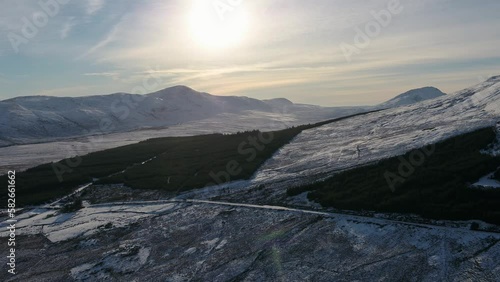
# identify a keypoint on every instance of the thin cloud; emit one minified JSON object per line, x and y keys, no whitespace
{"x":67,"y":27}
{"x":94,"y":6}
{"x":110,"y":37}
{"x":107,"y":74}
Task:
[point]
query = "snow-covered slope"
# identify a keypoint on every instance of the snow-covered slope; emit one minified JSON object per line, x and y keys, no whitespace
{"x":413,"y":96}
{"x":41,"y":119}
{"x":319,"y":152}
{"x":371,"y":137}
{"x":207,"y":241}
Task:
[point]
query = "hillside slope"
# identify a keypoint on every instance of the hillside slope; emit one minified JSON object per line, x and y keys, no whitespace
{"x":320,"y":152}
{"x":372,"y":137}
{"x":182,"y":241}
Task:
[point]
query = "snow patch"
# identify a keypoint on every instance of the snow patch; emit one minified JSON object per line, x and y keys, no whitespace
{"x":487,"y":181}
{"x":221,"y":244}
{"x":211,"y":244}
{"x":85,"y":222}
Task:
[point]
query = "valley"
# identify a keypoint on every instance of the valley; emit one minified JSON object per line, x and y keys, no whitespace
{"x":314,"y":193}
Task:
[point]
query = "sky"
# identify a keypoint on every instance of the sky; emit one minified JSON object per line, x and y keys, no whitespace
{"x":323,"y":52}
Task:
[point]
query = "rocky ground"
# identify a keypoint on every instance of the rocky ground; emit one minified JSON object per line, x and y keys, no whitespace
{"x":184,"y":241}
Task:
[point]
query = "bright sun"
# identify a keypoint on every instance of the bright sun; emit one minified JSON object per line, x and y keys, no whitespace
{"x":218,"y":28}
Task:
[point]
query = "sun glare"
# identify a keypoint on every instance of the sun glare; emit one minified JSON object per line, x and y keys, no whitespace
{"x":218,"y":27}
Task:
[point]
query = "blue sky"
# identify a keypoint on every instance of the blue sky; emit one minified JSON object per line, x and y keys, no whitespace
{"x":260,"y":48}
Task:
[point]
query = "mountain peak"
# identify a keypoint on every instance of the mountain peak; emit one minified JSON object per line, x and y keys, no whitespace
{"x":414,"y":96}
{"x":279,"y":102}
{"x":180,"y":89}
{"x":176,"y":91}
{"x":422,"y":90}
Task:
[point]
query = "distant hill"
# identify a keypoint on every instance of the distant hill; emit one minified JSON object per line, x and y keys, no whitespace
{"x":34,"y":119}
{"x":413,"y":96}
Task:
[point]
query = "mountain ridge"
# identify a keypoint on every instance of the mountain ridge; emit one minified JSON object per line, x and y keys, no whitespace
{"x":31,"y":119}
{"x":40,"y":118}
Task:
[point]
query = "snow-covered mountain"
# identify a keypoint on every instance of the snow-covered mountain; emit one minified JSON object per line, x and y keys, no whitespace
{"x":43,"y":117}
{"x":40,"y":118}
{"x":238,"y":238}
{"x":413,"y":96}
{"x":35,"y":119}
